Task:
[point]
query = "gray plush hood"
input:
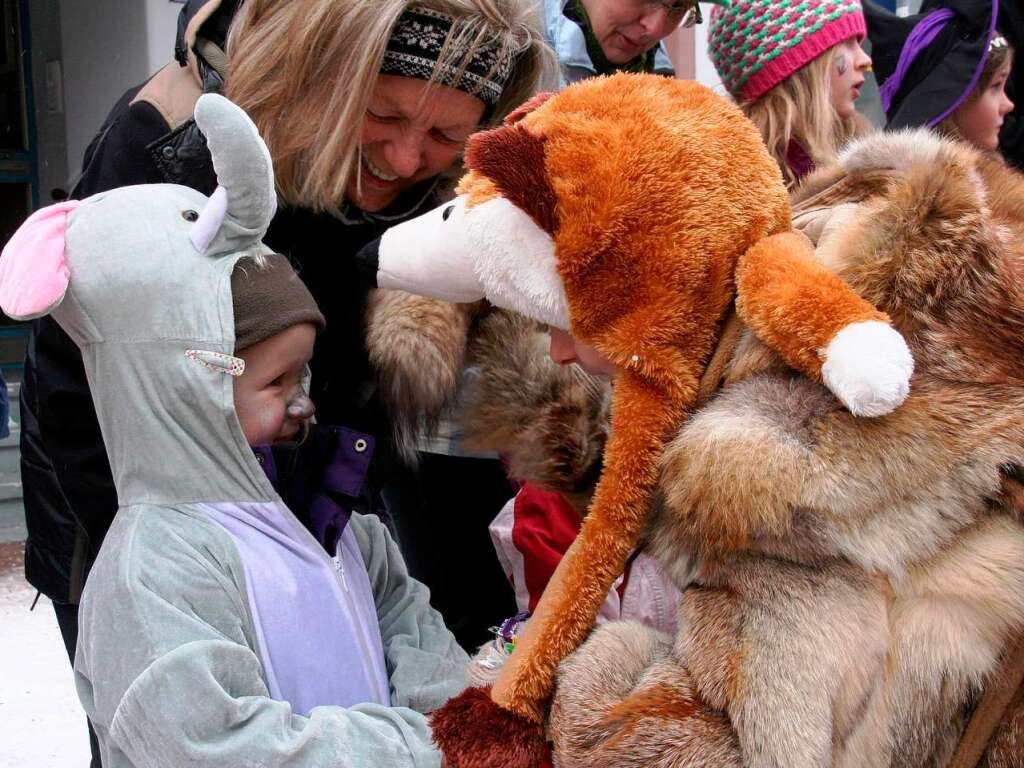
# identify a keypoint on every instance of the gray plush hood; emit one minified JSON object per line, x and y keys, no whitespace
{"x":139,"y":277}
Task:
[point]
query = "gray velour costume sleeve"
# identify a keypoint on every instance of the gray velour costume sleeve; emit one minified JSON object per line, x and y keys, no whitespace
{"x":426,"y":665}
{"x":168,"y":633}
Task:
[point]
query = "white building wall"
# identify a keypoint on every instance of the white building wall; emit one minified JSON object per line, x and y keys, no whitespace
{"x":108,"y":46}
{"x":161,"y":25}
{"x":705,"y":70}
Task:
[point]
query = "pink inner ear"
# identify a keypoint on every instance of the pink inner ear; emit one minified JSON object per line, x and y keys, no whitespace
{"x":33,"y":272}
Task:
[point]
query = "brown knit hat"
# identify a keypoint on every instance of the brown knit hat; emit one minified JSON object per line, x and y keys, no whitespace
{"x":269,"y":298}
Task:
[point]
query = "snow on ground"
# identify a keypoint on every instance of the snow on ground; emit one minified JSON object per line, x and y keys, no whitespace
{"x":41,"y":721}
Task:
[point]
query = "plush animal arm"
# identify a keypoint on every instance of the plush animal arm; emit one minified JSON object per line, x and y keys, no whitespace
{"x":821,"y":327}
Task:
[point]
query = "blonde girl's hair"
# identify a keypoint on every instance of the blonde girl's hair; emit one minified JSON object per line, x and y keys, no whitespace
{"x":800,"y":108}
{"x":304,"y":71}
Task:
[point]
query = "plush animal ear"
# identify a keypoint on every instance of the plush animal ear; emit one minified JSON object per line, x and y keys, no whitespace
{"x":513,"y":158}
{"x":34,"y":275}
{"x":238,"y":216}
{"x":527,"y":107}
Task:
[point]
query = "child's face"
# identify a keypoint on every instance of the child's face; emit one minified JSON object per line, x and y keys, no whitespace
{"x":565,"y":349}
{"x":981,"y":118}
{"x":849,"y":63}
{"x":269,"y":399}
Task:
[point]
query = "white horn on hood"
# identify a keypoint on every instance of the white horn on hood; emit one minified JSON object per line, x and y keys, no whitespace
{"x":245,"y":201}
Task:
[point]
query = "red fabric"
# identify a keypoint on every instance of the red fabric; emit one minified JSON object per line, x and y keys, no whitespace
{"x":474,"y":732}
{"x":544,"y":526}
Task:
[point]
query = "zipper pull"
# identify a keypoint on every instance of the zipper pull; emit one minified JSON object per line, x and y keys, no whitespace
{"x":339,"y":568}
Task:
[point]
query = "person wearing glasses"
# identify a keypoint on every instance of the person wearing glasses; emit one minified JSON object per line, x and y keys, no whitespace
{"x":599,"y":37}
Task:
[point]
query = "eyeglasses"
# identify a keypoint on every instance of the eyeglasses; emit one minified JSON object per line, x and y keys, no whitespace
{"x":689,"y":8}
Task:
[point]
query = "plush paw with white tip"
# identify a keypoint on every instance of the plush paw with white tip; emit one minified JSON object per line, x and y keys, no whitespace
{"x":868,"y":367}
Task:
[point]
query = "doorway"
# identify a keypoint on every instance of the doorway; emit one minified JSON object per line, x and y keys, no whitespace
{"x":19,"y":182}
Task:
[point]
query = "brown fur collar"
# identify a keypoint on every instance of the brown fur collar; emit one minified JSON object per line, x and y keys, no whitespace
{"x":417,"y":349}
{"x":549,"y":421}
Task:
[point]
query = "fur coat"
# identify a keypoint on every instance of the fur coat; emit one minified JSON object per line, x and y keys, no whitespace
{"x":849,"y":584}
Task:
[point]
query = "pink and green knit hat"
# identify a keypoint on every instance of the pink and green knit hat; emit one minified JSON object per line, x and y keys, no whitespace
{"x":756,"y":44}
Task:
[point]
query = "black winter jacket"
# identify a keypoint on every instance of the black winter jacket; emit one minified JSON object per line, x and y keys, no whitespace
{"x":70,"y":499}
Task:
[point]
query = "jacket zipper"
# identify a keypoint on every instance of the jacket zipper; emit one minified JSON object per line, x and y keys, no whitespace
{"x":339,"y":567}
{"x":364,"y":641}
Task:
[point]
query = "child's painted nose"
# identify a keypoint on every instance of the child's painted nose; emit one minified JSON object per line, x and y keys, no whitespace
{"x":301,"y":407}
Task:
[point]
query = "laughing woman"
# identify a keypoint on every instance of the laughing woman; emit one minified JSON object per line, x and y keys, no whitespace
{"x":364,"y":104}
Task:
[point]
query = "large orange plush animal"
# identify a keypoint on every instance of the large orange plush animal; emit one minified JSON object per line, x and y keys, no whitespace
{"x":633,"y":211}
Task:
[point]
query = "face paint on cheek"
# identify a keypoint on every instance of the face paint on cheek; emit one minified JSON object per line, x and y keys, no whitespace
{"x":842,"y":64}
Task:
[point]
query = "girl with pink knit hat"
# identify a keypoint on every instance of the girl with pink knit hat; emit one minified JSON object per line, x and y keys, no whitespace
{"x":796,"y":69}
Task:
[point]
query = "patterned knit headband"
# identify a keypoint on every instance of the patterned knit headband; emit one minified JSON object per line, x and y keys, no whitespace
{"x":417,"y":42}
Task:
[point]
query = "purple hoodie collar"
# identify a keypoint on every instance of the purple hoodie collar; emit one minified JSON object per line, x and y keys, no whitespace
{"x":342,"y":480}
{"x":265,"y":457}
{"x":923,"y":35}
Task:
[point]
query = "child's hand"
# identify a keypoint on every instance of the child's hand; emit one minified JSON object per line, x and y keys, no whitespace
{"x":487,"y":663}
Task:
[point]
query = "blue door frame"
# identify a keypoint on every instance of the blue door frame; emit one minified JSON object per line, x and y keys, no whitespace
{"x":23,"y":167}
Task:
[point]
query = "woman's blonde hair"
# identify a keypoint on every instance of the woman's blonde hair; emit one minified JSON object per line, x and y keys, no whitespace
{"x":304,"y":71}
{"x":800,"y":109}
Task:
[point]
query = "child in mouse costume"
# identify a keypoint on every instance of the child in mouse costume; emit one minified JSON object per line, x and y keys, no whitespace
{"x":631,"y":210}
{"x":215,"y":629}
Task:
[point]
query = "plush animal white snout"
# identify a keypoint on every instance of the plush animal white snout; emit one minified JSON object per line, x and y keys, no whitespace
{"x":491,"y":251}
